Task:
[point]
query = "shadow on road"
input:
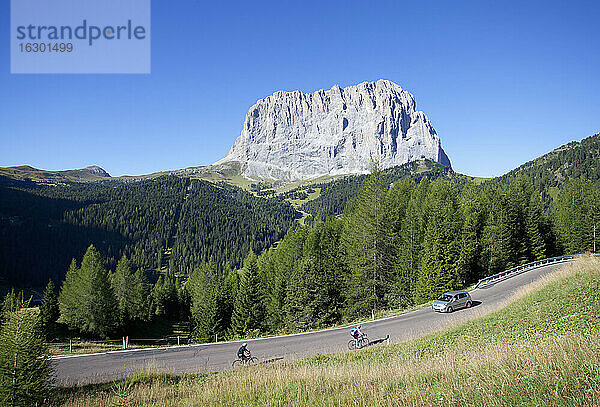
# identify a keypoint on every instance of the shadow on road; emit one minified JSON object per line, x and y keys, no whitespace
{"x":378,"y":341}
{"x":475,"y":303}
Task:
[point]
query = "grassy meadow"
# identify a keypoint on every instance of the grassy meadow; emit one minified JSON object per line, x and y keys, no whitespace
{"x":540,"y":349}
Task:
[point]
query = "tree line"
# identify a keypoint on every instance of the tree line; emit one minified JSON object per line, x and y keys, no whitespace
{"x":395,"y":245}
{"x":43,"y":227}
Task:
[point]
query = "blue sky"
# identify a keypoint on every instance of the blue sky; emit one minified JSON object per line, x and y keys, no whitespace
{"x":502,"y":82}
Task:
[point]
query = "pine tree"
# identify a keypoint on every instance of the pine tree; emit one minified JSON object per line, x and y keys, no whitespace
{"x":132,"y":294}
{"x":439,"y":268}
{"x":25,"y":372}
{"x":369,"y":247}
{"x":495,"y":231}
{"x":472,"y":213}
{"x":313,"y":291}
{"x":284,"y":262}
{"x":576,"y":213}
{"x":205,"y":288}
{"x":249,"y":309}
{"x":231,"y":282}
{"x":534,"y":226}
{"x":410,"y":244}
{"x":518,"y":198}
{"x":165,"y":298}
{"x":11,"y":302}
{"x":49,"y":311}
{"x":86,"y":300}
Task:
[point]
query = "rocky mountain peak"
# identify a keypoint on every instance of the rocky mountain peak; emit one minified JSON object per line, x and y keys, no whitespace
{"x":96,"y":170}
{"x":296,"y":135}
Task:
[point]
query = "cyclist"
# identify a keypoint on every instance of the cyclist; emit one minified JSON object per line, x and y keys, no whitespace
{"x":243,"y":353}
{"x":356,"y":333}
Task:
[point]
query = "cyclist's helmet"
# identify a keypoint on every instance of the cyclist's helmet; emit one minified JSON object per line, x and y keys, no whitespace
{"x":244,"y":344}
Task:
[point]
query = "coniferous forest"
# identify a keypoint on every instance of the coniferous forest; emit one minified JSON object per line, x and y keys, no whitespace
{"x":237,"y":264}
{"x":393,"y":247}
{"x":169,"y":222}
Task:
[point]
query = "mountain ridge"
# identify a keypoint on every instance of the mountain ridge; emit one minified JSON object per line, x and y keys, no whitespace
{"x":574,"y":150}
{"x":29,"y":173}
{"x":299,"y":136}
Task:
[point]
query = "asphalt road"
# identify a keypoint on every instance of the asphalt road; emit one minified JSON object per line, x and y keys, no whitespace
{"x":97,"y":368}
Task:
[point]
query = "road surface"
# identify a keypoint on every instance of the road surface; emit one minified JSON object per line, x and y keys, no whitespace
{"x":97,"y":368}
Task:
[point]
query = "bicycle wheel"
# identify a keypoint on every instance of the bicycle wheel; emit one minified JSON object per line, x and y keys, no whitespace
{"x":364,"y":341}
{"x":252,"y":361}
{"x":352,"y":344}
{"x":237,"y":363}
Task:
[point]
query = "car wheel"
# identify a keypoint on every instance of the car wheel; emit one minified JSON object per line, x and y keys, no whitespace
{"x":449,"y":309}
{"x":469,"y":303}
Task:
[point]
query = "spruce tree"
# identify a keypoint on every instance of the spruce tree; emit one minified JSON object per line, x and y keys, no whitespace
{"x":285,"y":262}
{"x":576,"y":213}
{"x":369,"y":247}
{"x":11,"y":302}
{"x":439,"y":268}
{"x":472,"y":213}
{"x":410,"y":244}
{"x":205,"y":287}
{"x":87,"y":300}
{"x":49,"y":311}
{"x":495,"y":231}
{"x":231,"y":282}
{"x":25,"y":372}
{"x":249,"y":308}
{"x":518,"y":198}
{"x":534,"y":226}
{"x":313,"y":291}
{"x":131,"y":293}
{"x":165,"y":298}
{"x":274,"y":283}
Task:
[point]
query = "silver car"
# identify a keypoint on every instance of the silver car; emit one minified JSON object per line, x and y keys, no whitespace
{"x":451,"y":301}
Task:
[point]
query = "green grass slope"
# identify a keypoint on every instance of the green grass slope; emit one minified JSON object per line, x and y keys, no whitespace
{"x":541,"y":349}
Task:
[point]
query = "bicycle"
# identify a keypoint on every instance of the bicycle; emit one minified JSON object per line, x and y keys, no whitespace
{"x":191,"y":340}
{"x":359,"y":343}
{"x":249,"y":361}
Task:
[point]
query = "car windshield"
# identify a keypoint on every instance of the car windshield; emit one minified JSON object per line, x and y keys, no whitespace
{"x":445,"y":297}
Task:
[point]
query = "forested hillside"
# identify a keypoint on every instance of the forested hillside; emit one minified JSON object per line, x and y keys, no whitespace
{"x":392,"y":247}
{"x":335,"y":195}
{"x":387,"y":240}
{"x":43,"y":227}
{"x":573,"y":160}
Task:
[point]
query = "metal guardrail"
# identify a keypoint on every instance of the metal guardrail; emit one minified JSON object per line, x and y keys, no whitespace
{"x":523,"y":268}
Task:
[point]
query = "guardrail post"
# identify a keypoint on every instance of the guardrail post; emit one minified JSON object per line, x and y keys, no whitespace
{"x":124,"y":343}
{"x":127,"y":342}
{"x":70,"y":346}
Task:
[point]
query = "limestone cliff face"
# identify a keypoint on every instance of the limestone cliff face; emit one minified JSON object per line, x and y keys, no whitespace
{"x":295,"y":135}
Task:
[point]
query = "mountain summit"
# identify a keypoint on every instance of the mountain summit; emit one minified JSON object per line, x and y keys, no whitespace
{"x":295,"y":135}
